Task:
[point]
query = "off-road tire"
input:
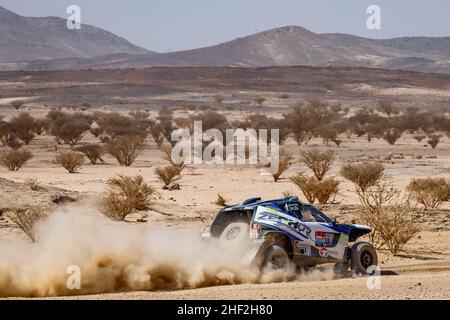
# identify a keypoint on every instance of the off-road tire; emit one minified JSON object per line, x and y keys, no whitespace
{"x":363,"y":256}
{"x":276,"y":258}
{"x":234,"y":235}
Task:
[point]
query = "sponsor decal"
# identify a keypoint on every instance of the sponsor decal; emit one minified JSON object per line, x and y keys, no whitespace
{"x":323,"y":252}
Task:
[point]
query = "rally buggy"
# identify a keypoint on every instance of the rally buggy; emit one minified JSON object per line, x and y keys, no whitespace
{"x":282,"y":231}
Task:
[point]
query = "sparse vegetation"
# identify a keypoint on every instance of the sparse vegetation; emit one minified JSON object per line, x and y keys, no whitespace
{"x":324,"y":191}
{"x":221,"y":201}
{"x":70,"y":160}
{"x":93,"y":152}
{"x":126,"y":149}
{"x":430,"y":192}
{"x":17,"y":104}
{"x":32,"y":183}
{"x":285,"y":161}
{"x":319,"y":162}
{"x":124,"y":195}
{"x":26,"y":219}
{"x":364,"y":175}
{"x":392,"y":220}
{"x":14,"y":159}
{"x":167,"y":175}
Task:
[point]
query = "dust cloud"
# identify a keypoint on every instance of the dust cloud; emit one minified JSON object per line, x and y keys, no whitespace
{"x":119,"y":256}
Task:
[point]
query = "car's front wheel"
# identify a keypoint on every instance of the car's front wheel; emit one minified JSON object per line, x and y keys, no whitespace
{"x":276,"y":258}
{"x":364,"y":256}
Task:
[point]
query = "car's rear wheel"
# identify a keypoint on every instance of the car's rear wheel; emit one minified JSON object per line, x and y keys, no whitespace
{"x":276,"y":258}
{"x":234,"y":235}
{"x":364,"y":256}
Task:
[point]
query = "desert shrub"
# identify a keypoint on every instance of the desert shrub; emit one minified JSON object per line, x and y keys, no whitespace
{"x":221,"y":201}
{"x":419,"y":137}
{"x":364,"y":175}
{"x":93,"y":152}
{"x":386,"y":107}
{"x":124,"y":195}
{"x":319,"y":162}
{"x":156,"y":132}
{"x":211,"y":120}
{"x":71,"y":161}
{"x":167,"y":175}
{"x":392,"y":220}
{"x":23,"y":126}
{"x":166,"y":124}
{"x":167,"y":155}
{"x":14,"y":159}
{"x":391,"y":135}
{"x":433,"y":140}
{"x":26,"y":219}
{"x":430,"y":192}
{"x":260,"y":100}
{"x":307,"y":185}
{"x":17,"y":104}
{"x":324,"y":191}
{"x":284,"y":163}
{"x":288,"y":193}
{"x":116,"y":124}
{"x":32,"y":183}
{"x":67,"y":128}
{"x":219,"y":99}
{"x":126,"y":149}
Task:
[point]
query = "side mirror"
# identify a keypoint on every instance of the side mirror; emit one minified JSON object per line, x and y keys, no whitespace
{"x":335,"y":221}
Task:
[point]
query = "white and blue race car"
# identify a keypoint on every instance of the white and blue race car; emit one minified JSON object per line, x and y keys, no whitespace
{"x":279,"y":232}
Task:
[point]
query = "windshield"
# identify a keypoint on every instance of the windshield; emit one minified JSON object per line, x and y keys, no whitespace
{"x":311,"y":214}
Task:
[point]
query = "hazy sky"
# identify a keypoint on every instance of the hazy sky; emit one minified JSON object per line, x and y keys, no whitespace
{"x":163,"y":25}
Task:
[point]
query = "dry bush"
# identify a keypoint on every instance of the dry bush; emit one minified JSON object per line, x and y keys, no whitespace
{"x":288,"y":193}
{"x":93,"y":152}
{"x":14,"y":159}
{"x":68,"y":128}
{"x":17,"y":104}
{"x":260,"y":100}
{"x":419,"y":137}
{"x":7,"y":137}
{"x":156,"y":132}
{"x":326,"y":190}
{"x":71,"y":161}
{"x":430,"y":192}
{"x":307,"y":185}
{"x":24,"y":127}
{"x":166,"y":124}
{"x":364,"y":175}
{"x":126,"y":149}
{"x":167,"y":155}
{"x":116,"y":124}
{"x":26,"y":219}
{"x":433,"y":140}
{"x":284,"y":163}
{"x":221,"y":201}
{"x":392,"y":134}
{"x":167,"y":175}
{"x":32,"y":183}
{"x":386,"y":107}
{"x":392,"y":220}
{"x":124,"y":195}
{"x":319,"y":162}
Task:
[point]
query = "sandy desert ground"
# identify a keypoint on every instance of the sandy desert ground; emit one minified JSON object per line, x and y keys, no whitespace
{"x":420,"y":271}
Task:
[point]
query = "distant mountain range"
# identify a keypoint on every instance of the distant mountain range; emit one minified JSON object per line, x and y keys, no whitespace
{"x":23,"y":38}
{"x":46,"y":44}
